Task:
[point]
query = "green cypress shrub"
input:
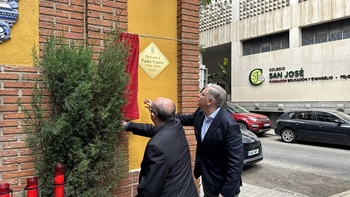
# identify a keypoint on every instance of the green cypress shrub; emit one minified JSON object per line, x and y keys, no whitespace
{"x":86,"y":98}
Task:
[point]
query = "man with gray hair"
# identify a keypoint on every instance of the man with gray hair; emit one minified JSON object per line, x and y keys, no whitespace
{"x":219,"y":154}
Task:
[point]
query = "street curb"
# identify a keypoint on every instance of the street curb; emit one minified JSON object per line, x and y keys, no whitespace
{"x":343,"y":194}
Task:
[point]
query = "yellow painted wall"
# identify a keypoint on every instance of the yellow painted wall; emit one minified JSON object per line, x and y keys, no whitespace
{"x":24,"y":36}
{"x":154,"y":18}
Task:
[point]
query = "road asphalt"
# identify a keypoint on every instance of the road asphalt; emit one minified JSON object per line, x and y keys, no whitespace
{"x":249,"y":190}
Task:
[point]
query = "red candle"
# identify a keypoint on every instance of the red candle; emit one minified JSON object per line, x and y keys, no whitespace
{"x":5,"y":190}
{"x":32,"y":187}
{"x":59,"y":180}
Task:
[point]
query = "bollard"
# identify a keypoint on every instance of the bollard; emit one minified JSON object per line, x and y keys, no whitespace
{"x":59,"y":180}
{"x":32,"y":187}
{"x":5,"y":190}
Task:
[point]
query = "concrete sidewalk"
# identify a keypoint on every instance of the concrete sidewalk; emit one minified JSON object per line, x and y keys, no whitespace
{"x":255,"y":191}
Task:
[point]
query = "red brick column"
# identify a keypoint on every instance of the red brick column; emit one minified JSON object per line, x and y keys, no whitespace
{"x":188,"y":63}
{"x":188,"y":54}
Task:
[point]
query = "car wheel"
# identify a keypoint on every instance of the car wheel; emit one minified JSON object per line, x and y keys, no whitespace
{"x":243,"y":126}
{"x":288,"y":135}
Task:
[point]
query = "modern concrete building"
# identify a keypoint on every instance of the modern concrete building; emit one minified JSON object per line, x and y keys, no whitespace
{"x":284,"y":54}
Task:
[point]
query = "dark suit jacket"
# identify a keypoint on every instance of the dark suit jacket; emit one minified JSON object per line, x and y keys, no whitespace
{"x":166,"y":166}
{"x":219,"y":158}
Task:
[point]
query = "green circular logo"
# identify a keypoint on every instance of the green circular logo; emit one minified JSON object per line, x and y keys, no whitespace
{"x":256,"y":77}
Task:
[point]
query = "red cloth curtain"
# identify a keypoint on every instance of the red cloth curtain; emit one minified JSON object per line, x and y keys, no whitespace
{"x":131,"y":109}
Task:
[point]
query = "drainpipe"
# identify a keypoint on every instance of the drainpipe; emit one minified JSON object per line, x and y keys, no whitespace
{"x":85,"y":22}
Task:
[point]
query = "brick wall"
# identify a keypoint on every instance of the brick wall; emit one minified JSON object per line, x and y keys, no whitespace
{"x":86,"y":22}
{"x":15,"y":161}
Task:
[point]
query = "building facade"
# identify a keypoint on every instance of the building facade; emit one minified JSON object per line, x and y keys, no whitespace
{"x":284,"y":54}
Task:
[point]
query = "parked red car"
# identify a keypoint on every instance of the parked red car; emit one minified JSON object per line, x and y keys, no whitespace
{"x":256,"y":123}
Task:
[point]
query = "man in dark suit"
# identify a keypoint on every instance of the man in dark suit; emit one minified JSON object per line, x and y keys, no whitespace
{"x":219,"y":154}
{"x":166,"y":166}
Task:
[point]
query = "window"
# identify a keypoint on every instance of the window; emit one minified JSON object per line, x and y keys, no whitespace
{"x":322,"y":116}
{"x":321,"y":33}
{"x":304,"y":115}
{"x":346,"y":29}
{"x":247,"y":48}
{"x":276,"y":42}
{"x":336,"y":30}
{"x":326,"y":117}
{"x":267,"y":43}
{"x":255,"y":47}
{"x":291,"y":115}
{"x":308,"y":35}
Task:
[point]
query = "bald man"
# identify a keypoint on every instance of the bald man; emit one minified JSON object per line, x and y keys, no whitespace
{"x":166,"y":166}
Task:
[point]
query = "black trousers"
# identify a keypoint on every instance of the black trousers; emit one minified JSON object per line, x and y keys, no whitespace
{"x":208,"y":194}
